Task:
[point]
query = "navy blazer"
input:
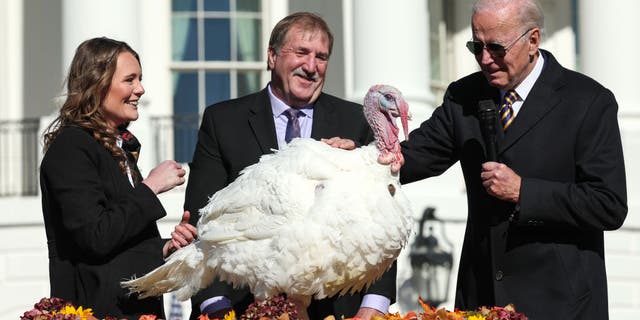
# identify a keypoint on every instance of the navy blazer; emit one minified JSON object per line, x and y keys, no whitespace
{"x":233,"y":135}
{"x":100,"y":229}
{"x":547,"y":256}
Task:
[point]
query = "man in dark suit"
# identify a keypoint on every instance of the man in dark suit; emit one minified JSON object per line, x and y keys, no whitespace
{"x":537,"y":213}
{"x":235,"y":133}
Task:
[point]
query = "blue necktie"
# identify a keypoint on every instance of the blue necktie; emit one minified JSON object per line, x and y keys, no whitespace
{"x":293,"y":125}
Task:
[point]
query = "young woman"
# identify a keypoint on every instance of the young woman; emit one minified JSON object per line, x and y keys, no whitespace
{"x":100,"y":214}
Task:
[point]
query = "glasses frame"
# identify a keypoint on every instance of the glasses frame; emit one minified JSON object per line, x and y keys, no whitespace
{"x":494,"y":49}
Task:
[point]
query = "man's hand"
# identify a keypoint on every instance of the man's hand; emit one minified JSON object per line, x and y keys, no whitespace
{"x":500,"y":181}
{"x":368,"y":313}
{"x":338,"y":142}
{"x":395,"y":161}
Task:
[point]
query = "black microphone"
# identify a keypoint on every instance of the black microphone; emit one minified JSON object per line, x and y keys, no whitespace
{"x":488,"y":116}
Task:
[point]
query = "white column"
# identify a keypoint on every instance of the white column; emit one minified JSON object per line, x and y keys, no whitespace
{"x":85,"y":19}
{"x":608,"y":47}
{"x":559,"y":34}
{"x":150,"y":36}
{"x":463,"y":62}
{"x":11,"y":94}
{"x":275,"y":10}
{"x":608,"y":50}
{"x":390,"y":46}
{"x":11,"y":62}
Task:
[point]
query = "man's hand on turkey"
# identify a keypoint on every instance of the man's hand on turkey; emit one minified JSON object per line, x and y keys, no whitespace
{"x":338,"y":142}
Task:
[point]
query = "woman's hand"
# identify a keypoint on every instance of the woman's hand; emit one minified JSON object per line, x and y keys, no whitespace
{"x":165,"y":177}
{"x":183,"y":234}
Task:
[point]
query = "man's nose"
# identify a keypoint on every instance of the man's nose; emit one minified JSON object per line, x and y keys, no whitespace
{"x":310,"y":64}
{"x":485,"y":56}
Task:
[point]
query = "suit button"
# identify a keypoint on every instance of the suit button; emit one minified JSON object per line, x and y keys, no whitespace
{"x":499,"y":275}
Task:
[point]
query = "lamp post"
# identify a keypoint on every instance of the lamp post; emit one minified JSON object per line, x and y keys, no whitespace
{"x":431,"y":263}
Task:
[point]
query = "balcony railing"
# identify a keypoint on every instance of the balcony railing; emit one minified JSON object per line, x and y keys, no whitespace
{"x":19,"y":157}
{"x":172,"y":137}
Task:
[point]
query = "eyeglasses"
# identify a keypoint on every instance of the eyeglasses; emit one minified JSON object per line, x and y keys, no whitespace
{"x":494,"y":49}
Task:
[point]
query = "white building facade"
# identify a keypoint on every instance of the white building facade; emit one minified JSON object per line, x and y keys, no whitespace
{"x":197,"y":52}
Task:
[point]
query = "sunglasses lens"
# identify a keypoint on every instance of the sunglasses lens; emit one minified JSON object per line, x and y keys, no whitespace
{"x":475,"y":47}
{"x":496,"y":50}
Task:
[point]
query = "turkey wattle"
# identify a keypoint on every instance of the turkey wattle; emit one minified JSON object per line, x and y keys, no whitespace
{"x":308,"y":221}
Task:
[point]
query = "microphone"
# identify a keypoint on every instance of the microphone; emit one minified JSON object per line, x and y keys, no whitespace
{"x":488,"y":116}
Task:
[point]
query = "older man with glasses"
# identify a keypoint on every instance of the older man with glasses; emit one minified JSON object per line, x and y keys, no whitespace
{"x":553,"y":183}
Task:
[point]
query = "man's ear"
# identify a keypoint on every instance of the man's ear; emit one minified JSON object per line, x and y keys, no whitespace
{"x":271,"y":58}
{"x":534,"y":41}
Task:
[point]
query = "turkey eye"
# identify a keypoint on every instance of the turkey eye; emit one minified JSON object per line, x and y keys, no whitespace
{"x":389,"y":97}
{"x":392,"y":190}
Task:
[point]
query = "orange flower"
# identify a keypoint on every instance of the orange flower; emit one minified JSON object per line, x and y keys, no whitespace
{"x":79,"y":312}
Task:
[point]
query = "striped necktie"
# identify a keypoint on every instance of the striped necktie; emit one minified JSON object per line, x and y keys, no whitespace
{"x":506,"y":110}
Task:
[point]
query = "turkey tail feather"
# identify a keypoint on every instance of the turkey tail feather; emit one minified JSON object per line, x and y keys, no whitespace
{"x":182,"y":273}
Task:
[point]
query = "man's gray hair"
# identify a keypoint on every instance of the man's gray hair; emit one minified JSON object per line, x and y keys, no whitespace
{"x":530,"y":12}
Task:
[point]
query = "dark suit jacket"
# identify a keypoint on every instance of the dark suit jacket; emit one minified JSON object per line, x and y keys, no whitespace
{"x":547,"y":257}
{"x":233,"y":135}
{"x":100,"y":230}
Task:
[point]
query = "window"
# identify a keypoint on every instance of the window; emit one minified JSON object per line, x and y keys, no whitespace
{"x":438,"y":45}
{"x":216,"y":55}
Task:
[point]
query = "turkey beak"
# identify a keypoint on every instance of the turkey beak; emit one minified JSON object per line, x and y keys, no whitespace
{"x":404,"y":117}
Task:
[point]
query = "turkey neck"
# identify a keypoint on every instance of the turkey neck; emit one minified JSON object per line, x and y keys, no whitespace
{"x":384,"y":131}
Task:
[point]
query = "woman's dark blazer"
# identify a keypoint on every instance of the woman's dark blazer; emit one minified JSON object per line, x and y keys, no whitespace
{"x":100,"y":229}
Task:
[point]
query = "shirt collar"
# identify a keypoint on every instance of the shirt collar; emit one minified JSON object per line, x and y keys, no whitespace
{"x":278,"y":106}
{"x":527,"y":84}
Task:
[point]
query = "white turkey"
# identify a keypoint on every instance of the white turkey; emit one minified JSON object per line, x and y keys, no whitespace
{"x":308,"y":220}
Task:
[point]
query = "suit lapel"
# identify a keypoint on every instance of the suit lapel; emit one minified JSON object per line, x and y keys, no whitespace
{"x":323,"y":115}
{"x":264,"y":129}
{"x":261,"y":122}
{"x":540,"y":101}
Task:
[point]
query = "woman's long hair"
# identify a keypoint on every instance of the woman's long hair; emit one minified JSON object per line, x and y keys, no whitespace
{"x":88,"y":83}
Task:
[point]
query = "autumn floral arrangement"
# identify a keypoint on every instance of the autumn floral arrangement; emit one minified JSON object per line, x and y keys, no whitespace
{"x":58,"y":309}
{"x":277,"y":308}
{"x":483,"y":313}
